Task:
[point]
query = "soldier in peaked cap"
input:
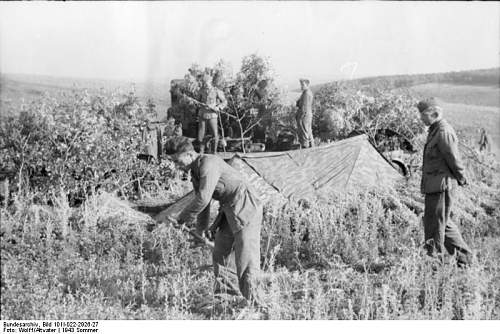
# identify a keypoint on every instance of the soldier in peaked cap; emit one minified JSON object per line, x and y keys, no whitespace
{"x":304,"y":115}
{"x":241,"y":216}
{"x":441,"y":165}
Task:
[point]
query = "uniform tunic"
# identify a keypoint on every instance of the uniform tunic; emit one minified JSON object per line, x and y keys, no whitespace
{"x":214,"y":98}
{"x":213,"y":178}
{"x":442,"y":164}
{"x":304,"y":118}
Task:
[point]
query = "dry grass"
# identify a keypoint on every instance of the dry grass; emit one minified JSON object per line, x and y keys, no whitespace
{"x":362,"y":259}
{"x":358,"y":256}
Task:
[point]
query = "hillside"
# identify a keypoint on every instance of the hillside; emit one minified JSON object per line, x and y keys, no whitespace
{"x":473,"y":93}
{"x":471,"y":99}
{"x":481,"y":77}
{"x":16,"y":88}
{"x":468,"y":107}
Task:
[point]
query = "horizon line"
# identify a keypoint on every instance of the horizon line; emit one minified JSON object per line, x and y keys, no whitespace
{"x":158,"y":80}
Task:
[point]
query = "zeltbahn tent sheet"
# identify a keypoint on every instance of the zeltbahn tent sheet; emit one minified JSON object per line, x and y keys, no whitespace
{"x":303,"y":174}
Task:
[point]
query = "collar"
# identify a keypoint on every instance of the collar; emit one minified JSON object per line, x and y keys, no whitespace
{"x":434,"y":128}
{"x":435,"y":125}
{"x":195,"y":165}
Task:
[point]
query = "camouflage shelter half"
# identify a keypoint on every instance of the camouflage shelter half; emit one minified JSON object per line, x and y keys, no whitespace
{"x":308,"y":173}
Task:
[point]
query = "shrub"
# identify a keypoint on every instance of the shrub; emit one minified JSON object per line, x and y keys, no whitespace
{"x":342,"y":109}
{"x":77,"y":144}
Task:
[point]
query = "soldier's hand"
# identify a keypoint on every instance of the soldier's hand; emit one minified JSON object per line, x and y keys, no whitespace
{"x":462,"y":182}
{"x":210,"y":235}
{"x":175,"y":222}
{"x":199,"y":231}
{"x":195,"y":240}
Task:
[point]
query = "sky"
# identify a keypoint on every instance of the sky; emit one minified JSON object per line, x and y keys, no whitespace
{"x":323,"y":41}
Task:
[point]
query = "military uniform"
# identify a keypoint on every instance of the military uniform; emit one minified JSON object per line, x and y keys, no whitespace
{"x":304,"y":118}
{"x":484,"y":142}
{"x":240,"y":229}
{"x":441,"y":164}
{"x":214,"y":98}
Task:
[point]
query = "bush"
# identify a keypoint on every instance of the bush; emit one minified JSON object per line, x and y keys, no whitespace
{"x":77,"y":144}
{"x":341,"y":109}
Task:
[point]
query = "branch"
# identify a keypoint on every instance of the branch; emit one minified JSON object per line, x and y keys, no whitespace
{"x":205,"y":105}
{"x":252,"y":126}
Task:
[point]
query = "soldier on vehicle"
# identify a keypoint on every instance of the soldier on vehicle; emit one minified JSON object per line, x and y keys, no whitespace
{"x":215,"y":101}
{"x":304,"y":115}
{"x":260,"y":99}
{"x":178,"y":128}
{"x":240,"y":226}
{"x":441,"y":164}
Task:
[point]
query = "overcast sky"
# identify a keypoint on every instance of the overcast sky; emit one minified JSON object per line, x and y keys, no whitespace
{"x":320,"y":40}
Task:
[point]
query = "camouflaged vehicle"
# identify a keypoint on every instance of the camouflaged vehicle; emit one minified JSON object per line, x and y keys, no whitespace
{"x":396,"y":149}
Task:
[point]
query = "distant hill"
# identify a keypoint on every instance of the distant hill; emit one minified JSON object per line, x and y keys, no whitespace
{"x":14,"y":88}
{"x":482,"y":77}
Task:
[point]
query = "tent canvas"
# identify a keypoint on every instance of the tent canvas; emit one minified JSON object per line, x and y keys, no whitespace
{"x":306,"y":173}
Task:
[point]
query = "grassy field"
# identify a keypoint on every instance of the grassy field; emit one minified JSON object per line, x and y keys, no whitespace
{"x":468,"y":108}
{"x":462,"y":94}
{"x":363,"y":258}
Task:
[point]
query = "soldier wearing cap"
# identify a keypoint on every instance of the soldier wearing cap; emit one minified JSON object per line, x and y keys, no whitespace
{"x":241,"y":216}
{"x":304,"y":115}
{"x":215,"y":101}
{"x":441,"y":165}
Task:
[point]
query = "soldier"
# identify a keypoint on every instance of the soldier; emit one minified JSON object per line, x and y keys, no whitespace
{"x":178,"y":129}
{"x":240,"y":225}
{"x":441,"y":164}
{"x":304,"y":115}
{"x":214,"y":98}
{"x":260,"y":99}
{"x":484,"y":142}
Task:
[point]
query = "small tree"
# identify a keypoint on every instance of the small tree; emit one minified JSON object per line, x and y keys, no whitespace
{"x":253,"y":98}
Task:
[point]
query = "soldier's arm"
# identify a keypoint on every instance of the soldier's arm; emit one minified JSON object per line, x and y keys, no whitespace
{"x":222,"y":98}
{"x":204,"y":219}
{"x":309,"y":97}
{"x":448,"y":146}
{"x":306,"y":101}
{"x":209,"y":175}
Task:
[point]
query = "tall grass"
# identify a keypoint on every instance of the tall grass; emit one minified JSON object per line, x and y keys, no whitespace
{"x":353,"y":255}
{"x":357,"y":257}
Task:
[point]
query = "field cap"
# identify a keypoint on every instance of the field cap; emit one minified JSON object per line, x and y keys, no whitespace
{"x":431,"y":102}
{"x":178,"y":144}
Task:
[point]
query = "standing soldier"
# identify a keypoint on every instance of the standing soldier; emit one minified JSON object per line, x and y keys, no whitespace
{"x":441,"y":164}
{"x":215,"y":101}
{"x":242,"y":211}
{"x":484,"y":142}
{"x":260,"y":99}
{"x":304,"y":115}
